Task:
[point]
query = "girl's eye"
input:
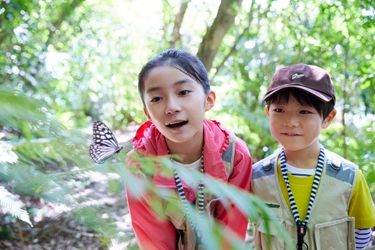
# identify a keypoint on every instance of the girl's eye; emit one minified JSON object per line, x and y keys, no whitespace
{"x":155,"y":99}
{"x":184,"y":92}
{"x":305,"y":112}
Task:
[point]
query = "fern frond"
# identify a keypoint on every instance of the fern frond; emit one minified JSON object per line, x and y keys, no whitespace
{"x":42,"y":139}
{"x":12,"y":205}
{"x":6,"y":153}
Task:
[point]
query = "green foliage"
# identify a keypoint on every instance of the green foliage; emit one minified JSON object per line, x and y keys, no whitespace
{"x":41,"y":138}
{"x":250,"y":204}
{"x":337,"y":36}
{"x":13,"y":205}
{"x":47,"y":146}
{"x":67,"y":63}
{"x":36,"y":157}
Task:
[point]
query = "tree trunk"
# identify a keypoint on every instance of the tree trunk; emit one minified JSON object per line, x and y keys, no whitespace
{"x":210,"y":44}
{"x":176,"y":36}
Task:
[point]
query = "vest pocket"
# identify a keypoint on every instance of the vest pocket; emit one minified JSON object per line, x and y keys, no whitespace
{"x":261,"y":229}
{"x":176,"y":216}
{"x":211,"y":208}
{"x":335,"y":235}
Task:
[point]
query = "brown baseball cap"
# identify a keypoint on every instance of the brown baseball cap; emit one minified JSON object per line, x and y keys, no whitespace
{"x":309,"y":78}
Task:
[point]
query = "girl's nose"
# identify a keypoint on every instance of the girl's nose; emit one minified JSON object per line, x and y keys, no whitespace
{"x":173,"y":106}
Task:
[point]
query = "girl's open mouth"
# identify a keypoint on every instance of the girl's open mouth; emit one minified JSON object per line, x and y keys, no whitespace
{"x":177,"y":125}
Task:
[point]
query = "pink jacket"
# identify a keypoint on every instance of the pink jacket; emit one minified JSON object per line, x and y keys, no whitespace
{"x":154,"y":233}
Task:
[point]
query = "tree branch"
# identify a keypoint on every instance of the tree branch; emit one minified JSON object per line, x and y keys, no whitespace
{"x":176,"y":36}
{"x":234,"y":47}
{"x":210,"y":44}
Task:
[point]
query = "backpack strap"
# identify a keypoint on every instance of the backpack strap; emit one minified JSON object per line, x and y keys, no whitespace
{"x":228,"y":155}
{"x":341,"y":168}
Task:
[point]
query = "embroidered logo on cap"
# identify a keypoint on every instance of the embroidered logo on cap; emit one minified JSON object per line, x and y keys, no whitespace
{"x":296,"y":75}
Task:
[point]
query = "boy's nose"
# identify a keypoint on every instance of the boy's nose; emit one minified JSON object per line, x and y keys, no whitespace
{"x":291,"y":122}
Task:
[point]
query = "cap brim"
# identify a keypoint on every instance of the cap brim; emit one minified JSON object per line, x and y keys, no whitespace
{"x":315,"y":93}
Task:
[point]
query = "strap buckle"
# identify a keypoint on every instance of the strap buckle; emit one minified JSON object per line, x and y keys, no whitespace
{"x":301,"y":231}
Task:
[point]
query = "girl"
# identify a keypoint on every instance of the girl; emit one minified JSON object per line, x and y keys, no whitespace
{"x":175,"y":92}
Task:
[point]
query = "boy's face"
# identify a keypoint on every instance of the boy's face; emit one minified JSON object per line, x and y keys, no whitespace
{"x":295,"y":126}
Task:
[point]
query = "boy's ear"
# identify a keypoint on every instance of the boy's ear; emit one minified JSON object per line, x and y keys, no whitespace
{"x":267,"y":110}
{"x":329,"y":119}
{"x":210,"y":100}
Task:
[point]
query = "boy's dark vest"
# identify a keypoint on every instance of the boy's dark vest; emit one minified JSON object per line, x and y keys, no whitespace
{"x":186,"y":239}
{"x":329,"y":226}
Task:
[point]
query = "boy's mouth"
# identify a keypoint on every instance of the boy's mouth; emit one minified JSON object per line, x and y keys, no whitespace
{"x":291,"y":134}
{"x":177,"y":124}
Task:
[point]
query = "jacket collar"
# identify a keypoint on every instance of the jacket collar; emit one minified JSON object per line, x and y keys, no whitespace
{"x":149,"y":141}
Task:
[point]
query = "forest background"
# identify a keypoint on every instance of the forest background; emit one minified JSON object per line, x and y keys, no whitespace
{"x":67,"y":63}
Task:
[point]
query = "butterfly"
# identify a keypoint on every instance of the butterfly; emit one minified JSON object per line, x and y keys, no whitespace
{"x":105,"y":144}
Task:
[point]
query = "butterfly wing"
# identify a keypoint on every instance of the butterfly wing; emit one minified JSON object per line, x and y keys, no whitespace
{"x":100,"y":154}
{"x":105,"y":144}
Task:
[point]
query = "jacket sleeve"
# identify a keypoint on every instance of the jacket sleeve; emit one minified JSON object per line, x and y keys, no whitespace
{"x":232,"y":217}
{"x":151,"y":231}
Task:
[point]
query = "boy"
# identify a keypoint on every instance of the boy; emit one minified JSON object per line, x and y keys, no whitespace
{"x":318,"y":197}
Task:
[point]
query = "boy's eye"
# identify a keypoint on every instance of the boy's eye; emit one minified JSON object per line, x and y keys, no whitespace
{"x":155,"y":99}
{"x":305,"y":112}
{"x":278,"y":110}
{"x":184,"y":92}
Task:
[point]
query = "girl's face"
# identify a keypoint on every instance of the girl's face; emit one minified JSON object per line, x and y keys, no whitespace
{"x":176,"y":104}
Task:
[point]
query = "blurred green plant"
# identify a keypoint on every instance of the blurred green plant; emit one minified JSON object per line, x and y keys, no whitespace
{"x":86,"y":69}
{"x":40,"y":157}
{"x":250,"y":204}
{"x":11,"y":204}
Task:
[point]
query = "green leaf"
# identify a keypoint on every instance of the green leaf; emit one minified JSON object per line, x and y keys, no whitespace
{"x":12,"y":205}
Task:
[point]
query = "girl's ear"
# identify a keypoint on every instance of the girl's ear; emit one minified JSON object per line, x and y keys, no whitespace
{"x":329,"y":119}
{"x":210,"y":100}
{"x":146,"y":113}
{"x":267,"y":110}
